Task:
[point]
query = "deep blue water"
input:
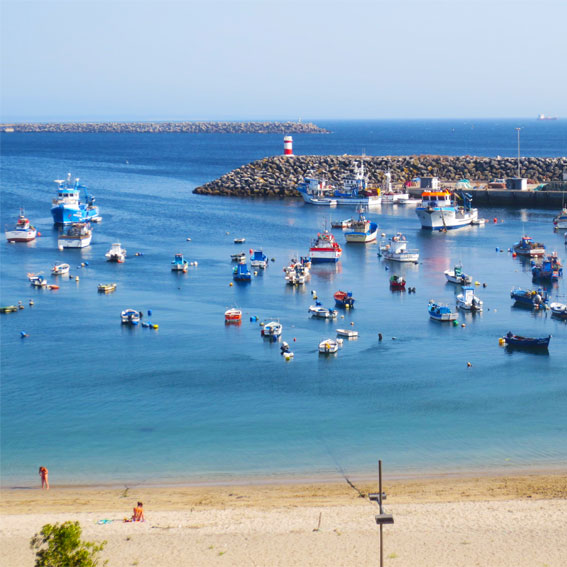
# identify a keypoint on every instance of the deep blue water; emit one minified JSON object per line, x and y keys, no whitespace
{"x":197,"y":400}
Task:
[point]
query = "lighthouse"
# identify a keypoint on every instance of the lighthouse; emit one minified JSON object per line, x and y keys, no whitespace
{"x":288,"y":146}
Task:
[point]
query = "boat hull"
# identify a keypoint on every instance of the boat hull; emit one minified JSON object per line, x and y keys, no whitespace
{"x":446,"y":218}
{"x":21,"y":235}
{"x":65,"y":214}
{"x":363,"y":237}
{"x":318,"y":255}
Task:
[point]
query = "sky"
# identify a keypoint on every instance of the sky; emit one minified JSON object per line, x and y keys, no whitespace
{"x":281,"y":59}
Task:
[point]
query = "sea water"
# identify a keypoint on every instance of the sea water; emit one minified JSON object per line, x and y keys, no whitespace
{"x":198,"y":400}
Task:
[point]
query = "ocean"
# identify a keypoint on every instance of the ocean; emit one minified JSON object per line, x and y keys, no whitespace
{"x":199,"y":401}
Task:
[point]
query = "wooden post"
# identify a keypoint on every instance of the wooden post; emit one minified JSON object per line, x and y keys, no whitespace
{"x":380,"y":502}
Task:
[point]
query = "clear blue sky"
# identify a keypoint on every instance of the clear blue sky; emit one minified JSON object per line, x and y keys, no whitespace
{"x":282,"y":59}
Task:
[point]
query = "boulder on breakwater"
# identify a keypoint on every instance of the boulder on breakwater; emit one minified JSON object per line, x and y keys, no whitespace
{"x":167,"y":127}
{"x":278,"y":176}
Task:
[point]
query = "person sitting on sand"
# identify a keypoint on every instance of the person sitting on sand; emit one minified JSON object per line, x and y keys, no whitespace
{"x":138,"y":513}
{"x":43,"y":473}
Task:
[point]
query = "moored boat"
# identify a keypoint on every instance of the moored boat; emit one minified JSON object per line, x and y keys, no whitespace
{"x":241,"y":273}
{"x":37,"y":281}
{"x":518,"y":341}
{"x":106,"y":287}
{"x":116,"y":253}
{"x":396,"y":250}
{"x":529,"y":297}
{"x":527,"y":247}
{"x":362,"y":230}
{"x":348,"y":333}
{"x":67,"y":206}
{"x":328,"y":346}
{"x":233,"y":315}
{"x":130,"y":317}
{"x":22,"y":231}
{"x":240,"y":257}
{"x":320,"y":312}
{"x":325,"y":248}
{"x":346,"y":223}
{"x":548,"y":269}
{"x":457,"y":276}
{"x":468,"y":301}
{"x":344,"y":299}
{"x":239,"y":240}
{"x":60,"y":269}
{"x":272,"y":329}
{"x":78,"y":235}
{"x":440,"y":211}
{"x":258,"y":259}
{"x":559,"y":310}
{"x":179,"y":264}
{"x":397,"y":283}
{"x":560,"y":221}
{"x":440,"y":312}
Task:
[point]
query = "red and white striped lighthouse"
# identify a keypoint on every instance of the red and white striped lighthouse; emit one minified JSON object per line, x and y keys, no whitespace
{"x":288,"y":146}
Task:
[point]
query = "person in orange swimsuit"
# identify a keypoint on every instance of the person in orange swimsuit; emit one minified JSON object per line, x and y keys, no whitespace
{"x":43,"y":473}
{"x":138,"y":513}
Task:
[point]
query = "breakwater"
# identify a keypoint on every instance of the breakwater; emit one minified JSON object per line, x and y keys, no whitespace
{"x":167,"y":127}
{"x":278,"y":176}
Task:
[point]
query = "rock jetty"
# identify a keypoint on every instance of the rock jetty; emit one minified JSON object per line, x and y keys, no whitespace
{"x":168,"y":127}
{"x":278,"y":176}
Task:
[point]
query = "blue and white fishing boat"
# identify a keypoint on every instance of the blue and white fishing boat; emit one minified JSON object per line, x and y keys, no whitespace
{"x":535,"y":299}
{"x":457,"y":276}
{"x":272,"y":329}
{"x":320,"y":312}
{"x":468,"y":301}
{"x":67,"y":206}
{"x":241,"y":273}
{"x":550,"y":269}
{"x":258,"y":259}
{"x":440,"y":211}
{"x":518,"y":341}
{"x":527,"y":247}
{"x":179,"y":264}
{"x":130,"y":317}
{"x":440,"y":312}
{"x":362,"y":230}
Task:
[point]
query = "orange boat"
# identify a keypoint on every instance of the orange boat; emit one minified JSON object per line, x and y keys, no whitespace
{"x":233,"y":315}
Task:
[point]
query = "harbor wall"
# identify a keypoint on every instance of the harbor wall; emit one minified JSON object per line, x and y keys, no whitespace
{"x":166,"y":127}
{"x":278,"y":176}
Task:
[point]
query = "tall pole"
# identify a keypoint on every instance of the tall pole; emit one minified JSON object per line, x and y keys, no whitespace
{"x":380,"y":502}
{"x":518,"y":130}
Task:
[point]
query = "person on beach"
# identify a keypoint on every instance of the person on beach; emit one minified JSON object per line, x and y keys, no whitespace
{"x":138,"y":513}
{"x":43,"y":473}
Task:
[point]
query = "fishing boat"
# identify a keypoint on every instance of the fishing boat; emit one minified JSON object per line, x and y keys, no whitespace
{"x":346,"y":223}
{"x":559,"y":310}
{"x":396,"y":250}
{"x":389,"y":194}
{"x":179,"y":264}
{"x":362,"y":230}
{"x":532,"y":298}
{"x":8,"y":309}
{"x":116,"y":253}
{"x":560,"y":221}
{"x":37,"y":281}
{"x":272,"y":329}
{"x":241,"y":273}
{"x":60,"y":269}
{"x":240,"y":257}
{"x":233,"y":315}
{"x":130,"y":317}
{"x":67,"y":206}
{"x":355,"y":190}
{"x":258,"y":259}
{"x":527,"y":247}
{"x":78,"y":235}
{"x":397,"y":283}
{"x":328,"y":346}
{"x":440,"y":312}
{"x":550,"y":268}
{"x":22,"y":231}
{"x":348,"y":333}
{"x":344,"y":299}
{"x":325,"y":248}
{"x":297,"y":273}
{"x":457,"y":276}
{"x":239,"y":240}
{"x":106,"y":287}
{"x":439,"y":210}
{"x":320,"y":312}
{"x":518,"y":341}
{"x":468,"y":301}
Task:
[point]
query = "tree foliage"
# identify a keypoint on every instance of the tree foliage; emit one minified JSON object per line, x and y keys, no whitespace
{"x":60,"y":545}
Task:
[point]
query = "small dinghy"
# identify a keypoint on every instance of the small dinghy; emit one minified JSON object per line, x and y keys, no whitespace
{"x":322,"y":313}
{"x":106,"y":287}
{"x":440,"y":312}
{"x":240,"y":257}
{"x":328,"y":346}
{"x":348,"y":333}
{"x":559,"y":310}
{"x":233,"y":315}
{"x":397,"y":283}
{"x":273,"y":329}
{"x":518,"y":341}
{"x":344,"y":299}
{"x":457,"y":276}
{"x":130,"y":317}
{"x":60,"y":269}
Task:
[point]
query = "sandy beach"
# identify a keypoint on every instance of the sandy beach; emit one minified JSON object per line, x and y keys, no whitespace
{"x":488,"y":521}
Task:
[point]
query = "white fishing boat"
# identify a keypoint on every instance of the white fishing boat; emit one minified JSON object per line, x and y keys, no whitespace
{"x":116,"y":253}
{"x":328,"y":346}
{"x":457,"y":276}
{"x":468,"y":301}
{"x":22,"y":231}
{"x":78,"y":235}
{"x":396,"y":250}
{"x":37,"y":280}
{"x":240,"y":257}
{"x":439,"y":210}
{"x":559,"y":310}
{"x":272,"y":329}
{"x":130,"y":317}
{"x":325,"y":248}
{"x":239,"y":240}
{"x":297,"y":273}
{"x":362,"y":230}
{"x":60,"y":269}
{"x":320,"y":312}
{"x":560,"y":221}
{"x":348,"y":333}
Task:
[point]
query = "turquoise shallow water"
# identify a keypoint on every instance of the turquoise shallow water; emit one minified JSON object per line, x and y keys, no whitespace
{"x":199,"y":401}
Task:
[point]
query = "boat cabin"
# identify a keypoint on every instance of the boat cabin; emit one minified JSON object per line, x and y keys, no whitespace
{"x":436,"y":199}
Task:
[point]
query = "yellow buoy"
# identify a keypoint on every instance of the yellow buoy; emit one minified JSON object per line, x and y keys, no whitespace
{"x":501,"y":341}
{"x":230,"y":284}
{"x":155,"y":326}
{"x":76,"y":278}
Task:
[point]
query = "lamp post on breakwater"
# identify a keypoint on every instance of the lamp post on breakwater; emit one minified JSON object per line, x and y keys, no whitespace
{"x":518,"y":130}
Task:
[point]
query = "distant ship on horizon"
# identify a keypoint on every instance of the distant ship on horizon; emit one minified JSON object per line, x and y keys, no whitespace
{"x":545,"y":117}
